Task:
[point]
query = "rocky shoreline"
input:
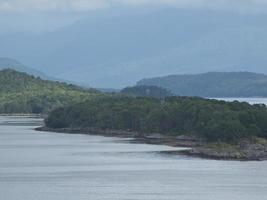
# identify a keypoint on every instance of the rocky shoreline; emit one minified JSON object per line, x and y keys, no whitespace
{"x":245,"y":150}
{"x":225,"y":155}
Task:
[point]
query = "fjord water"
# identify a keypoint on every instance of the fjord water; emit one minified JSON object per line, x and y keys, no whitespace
{"x":52,"y":166}
{"x":255,"y":100}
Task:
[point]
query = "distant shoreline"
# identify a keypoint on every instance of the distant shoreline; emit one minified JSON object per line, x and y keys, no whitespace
{"x":21,"y":115}
{"x":247,"y":151}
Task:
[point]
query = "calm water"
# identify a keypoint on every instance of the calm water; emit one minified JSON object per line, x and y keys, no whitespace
{"x":52,"y":166}
{"x":249,"y":100}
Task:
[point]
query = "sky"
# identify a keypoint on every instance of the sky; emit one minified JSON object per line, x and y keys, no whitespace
{"x":16,"y":6}
{"x":47,"y":15}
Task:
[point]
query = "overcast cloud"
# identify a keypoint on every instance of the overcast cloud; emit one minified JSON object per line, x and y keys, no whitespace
{"x":86,"y":5}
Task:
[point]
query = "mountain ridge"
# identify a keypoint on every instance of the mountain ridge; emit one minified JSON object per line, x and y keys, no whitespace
{"x":213,"y":84}
{"x":9,"y":63}
{"x":115,"y":51}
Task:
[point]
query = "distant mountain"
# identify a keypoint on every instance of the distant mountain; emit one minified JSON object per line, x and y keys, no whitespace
{"x":107,"y":50}
{"x":146,"y":91}
{"x":23,"y":93}
{"x":213,"y":84}
{"x":8,"y":63}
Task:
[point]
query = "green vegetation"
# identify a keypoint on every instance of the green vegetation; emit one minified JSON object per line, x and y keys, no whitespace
{"x":146,"y":91}
{"x":74,"y":107}
{"x":22,"y":93}
{"x":210,"y":119}
{"x":213,"y":84}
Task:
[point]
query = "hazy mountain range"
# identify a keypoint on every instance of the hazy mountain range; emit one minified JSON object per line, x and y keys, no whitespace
{"x":116,"y":50}
{"x":213,"y":84}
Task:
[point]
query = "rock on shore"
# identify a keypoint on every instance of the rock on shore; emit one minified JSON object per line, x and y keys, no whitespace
{"x":247,"y":149}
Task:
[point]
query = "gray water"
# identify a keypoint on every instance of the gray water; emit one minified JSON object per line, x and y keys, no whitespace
{"x":52,"y":166}
{"x":254,"y":100}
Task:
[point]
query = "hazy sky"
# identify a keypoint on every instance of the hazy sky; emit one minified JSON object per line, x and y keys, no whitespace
{"x":136,"y":38}
{"x":86,"y":5}
{"x":46,"y":15}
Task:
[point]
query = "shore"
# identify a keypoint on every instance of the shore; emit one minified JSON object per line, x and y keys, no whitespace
{"x":245,"y":150}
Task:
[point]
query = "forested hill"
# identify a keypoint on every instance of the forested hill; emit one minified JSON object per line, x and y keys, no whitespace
{"x":213,"y":84}
{"x":209,"y":119}
{"x":23,"y":93}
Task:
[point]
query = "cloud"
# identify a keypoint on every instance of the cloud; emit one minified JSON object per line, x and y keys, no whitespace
{"x":241,"y":5}
{"x":51,"y":5}
{"x":86,"y":5}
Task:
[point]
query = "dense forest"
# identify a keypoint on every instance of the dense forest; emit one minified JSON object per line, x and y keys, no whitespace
{"x":23,"y":93}
{"x":210,"y":119}
{"x":213,"y":84}
{"x":146,"y":91}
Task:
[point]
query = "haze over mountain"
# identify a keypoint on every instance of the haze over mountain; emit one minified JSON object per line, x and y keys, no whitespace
{"x":115,"y":50}
{"x":8,"y":63}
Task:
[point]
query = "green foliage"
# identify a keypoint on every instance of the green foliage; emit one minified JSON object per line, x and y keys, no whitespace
{"x":146,"y":91}
{"x":210,"y":119}
{"x":22,"y":93}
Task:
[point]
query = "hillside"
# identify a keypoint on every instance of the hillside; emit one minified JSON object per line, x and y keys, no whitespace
{"x":119,"y":49}
{"x":23,"y":93}
{"x":213,"y":84}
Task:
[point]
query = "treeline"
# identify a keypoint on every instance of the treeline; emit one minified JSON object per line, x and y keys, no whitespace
{"x":210,"y":119}
{"x":146,"y":91}
{"x":23,"y":93}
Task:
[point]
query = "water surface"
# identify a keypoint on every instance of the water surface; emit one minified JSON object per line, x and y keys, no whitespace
{"x":255,"y":100}
{"x":52,"y":166}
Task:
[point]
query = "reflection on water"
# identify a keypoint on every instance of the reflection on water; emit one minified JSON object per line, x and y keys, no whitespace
{"x":20,"y":120}
{"x":52,"y":166}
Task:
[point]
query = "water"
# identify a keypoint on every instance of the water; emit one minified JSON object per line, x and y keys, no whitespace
{"x":52,"y":166}
{"x":249,"y":100}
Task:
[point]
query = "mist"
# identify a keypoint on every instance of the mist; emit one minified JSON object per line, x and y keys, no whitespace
{"x":117,"y":43}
